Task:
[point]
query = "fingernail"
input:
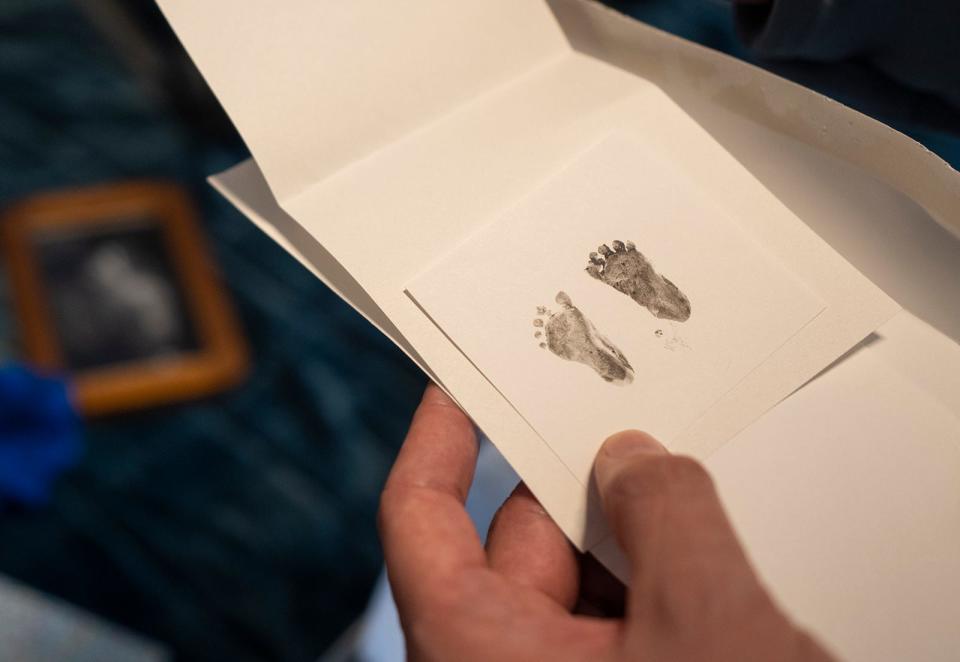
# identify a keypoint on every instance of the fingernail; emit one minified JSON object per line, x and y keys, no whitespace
{"x":629,"y":443}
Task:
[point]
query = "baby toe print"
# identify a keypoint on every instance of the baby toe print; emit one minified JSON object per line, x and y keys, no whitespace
{"x":626,"y":270}
{"x":571,"y":336}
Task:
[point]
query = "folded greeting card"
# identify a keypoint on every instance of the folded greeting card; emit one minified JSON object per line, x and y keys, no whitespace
{"x":575,"y":224}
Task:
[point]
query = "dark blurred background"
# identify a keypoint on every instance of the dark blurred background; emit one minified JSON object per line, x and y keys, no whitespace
{"x":239,"y":527}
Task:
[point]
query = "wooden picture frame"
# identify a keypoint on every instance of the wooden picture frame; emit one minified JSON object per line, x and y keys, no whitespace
{"x":44,"y":238}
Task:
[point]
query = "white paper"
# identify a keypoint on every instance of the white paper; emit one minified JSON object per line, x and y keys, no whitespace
{"x":725,"y":307}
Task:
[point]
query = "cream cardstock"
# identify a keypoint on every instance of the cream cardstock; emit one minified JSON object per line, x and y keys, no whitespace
{"x":724,"y":307}
{"x":388,"y":135}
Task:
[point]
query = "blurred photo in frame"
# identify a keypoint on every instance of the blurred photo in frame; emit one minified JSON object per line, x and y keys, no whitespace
{"x":113,"y":286}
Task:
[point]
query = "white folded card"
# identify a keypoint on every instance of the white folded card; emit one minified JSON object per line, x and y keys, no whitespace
{"x":391,"y":136}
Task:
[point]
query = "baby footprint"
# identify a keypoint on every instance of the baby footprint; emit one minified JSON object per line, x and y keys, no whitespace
{"x":626,"y":270}
{"x":571,"y":336}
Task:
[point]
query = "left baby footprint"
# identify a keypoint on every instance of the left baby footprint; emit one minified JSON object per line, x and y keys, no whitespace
{"x":571,"y":336}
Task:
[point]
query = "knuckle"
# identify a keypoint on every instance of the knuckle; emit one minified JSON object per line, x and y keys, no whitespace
{"x":404,"y":502}
{"x":396,"y":503}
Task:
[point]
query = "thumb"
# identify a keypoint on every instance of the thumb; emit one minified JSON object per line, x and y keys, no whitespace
{"x":668,"y":519}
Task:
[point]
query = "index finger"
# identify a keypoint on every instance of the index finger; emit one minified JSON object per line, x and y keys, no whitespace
{"x":425,"y":530}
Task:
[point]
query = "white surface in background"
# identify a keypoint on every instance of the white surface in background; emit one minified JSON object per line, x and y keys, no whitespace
{"x":38,"y":628}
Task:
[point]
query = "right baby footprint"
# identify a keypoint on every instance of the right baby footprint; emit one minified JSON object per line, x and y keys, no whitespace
{"x":626,"y":270}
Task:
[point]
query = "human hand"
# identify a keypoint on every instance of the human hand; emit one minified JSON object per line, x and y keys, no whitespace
{"x":693,"y":595}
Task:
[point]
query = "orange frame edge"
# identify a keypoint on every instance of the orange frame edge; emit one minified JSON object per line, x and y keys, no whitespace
{"x":223,"y":358}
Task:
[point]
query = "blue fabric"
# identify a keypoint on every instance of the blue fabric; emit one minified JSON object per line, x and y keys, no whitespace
{"x":39,"y":435}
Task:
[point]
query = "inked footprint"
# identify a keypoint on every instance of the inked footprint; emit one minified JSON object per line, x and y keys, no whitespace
{"x":626,"y":270}
{"x":570,"y":335}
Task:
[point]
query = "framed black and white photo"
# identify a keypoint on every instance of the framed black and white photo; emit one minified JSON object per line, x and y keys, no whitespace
{"x":113,"y":286}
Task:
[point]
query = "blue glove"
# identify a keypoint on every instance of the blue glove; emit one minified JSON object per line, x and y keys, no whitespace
{"x":39,"y":435}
